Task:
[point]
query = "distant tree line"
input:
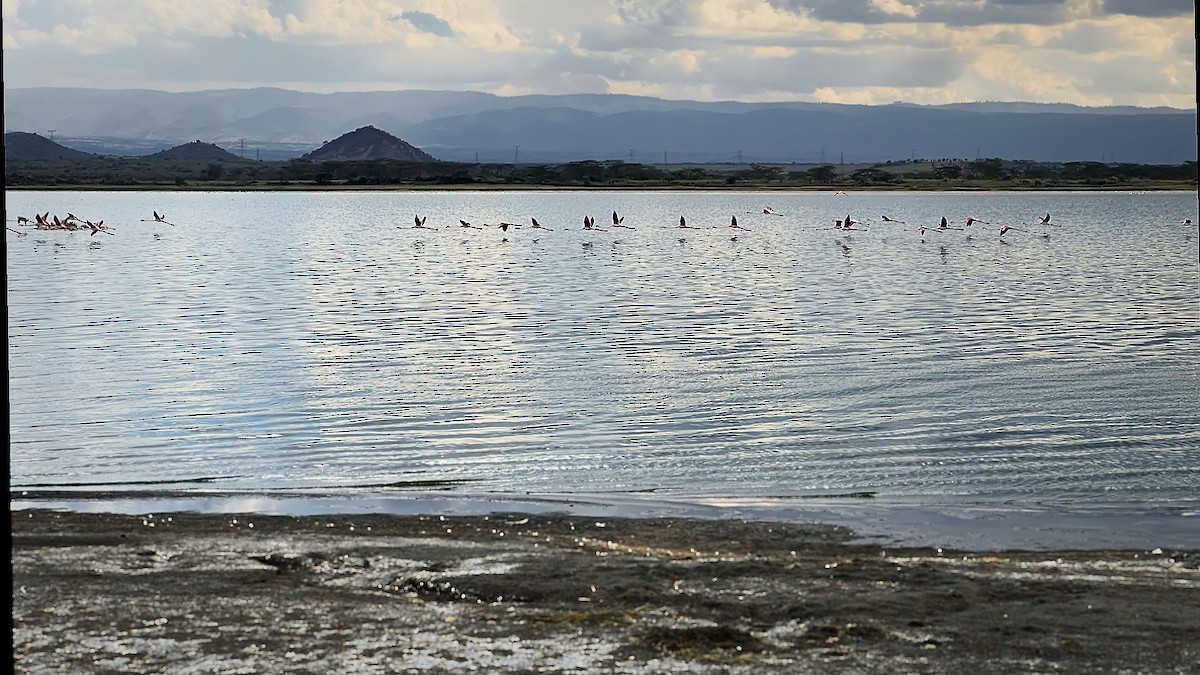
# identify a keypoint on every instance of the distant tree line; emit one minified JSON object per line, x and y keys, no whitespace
{"x":134,"y":171}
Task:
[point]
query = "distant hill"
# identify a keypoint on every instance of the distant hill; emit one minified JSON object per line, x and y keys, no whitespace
{"x":19,"y":145}
{"x":473,"y":126}
{"x":196,"y":152}
{"x":368,"y":143}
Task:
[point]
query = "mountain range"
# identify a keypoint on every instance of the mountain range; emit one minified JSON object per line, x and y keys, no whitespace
{"x":268,"y":123}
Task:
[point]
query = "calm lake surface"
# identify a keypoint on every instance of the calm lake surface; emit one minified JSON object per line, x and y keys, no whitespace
{"x":318,"y":341}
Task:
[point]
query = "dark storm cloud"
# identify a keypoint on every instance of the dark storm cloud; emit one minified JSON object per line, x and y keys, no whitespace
{"x":428,"y":23}
{"x":1150,"y":8}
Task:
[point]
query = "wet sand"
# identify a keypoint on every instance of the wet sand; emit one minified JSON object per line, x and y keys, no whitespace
{"x":523,"y":593}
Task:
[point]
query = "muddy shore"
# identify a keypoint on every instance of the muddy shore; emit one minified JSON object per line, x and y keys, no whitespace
{"x":524,"y":593}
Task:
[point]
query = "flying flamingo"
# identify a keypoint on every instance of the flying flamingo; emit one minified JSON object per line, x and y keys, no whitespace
{"x":683,"y":224}
{"x":420,"y":223}
{"x":1006,"y":227}
{"x":734,"y":225}
{"x":619,"y":222}
{"x":847,"y":224}
{"x":886,"y":219}
{"x":466,"y":224}
{"x":98,"y":227}
{"x":158,"y":218}
{"x":971,"y":221}
{"x":945,"y":225}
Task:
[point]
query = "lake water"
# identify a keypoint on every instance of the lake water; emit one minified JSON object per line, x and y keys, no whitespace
{"x":317,"y":341}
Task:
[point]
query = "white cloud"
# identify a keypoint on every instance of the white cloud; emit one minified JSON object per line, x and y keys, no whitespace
{"x":1083,"y":51}
{"x":895,"y":7}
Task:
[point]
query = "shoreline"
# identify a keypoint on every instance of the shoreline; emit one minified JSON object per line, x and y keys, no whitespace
{"x":506,"y":187}
{"x":519,"y":593}
{"x":960,"y":523}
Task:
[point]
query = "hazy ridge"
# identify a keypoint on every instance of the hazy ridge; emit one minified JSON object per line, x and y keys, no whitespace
{"x":467,"y":126}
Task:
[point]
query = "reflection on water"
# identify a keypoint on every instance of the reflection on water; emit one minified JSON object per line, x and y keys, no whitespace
{"x":319,"y":340}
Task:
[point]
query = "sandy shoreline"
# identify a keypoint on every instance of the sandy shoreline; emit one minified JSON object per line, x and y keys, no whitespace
{"x":554,"y":592}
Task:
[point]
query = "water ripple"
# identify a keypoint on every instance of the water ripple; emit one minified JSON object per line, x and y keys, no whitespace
{"x":299,"y":342}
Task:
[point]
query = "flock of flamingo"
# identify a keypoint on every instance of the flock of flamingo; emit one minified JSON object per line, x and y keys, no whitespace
{"x":73,"y":223}
{"x":845,"y":224}
{"x":45,"y":221}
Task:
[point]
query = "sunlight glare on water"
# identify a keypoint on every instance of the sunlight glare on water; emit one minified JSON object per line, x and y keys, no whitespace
{"x":305,"y":339}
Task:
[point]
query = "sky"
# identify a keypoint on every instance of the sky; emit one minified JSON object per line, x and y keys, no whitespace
{"x":1086,"y":52}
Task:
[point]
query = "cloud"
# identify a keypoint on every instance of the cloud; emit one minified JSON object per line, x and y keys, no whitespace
{"x":428,"y":23}
{"x":950,"y":12}
{"x":1121,"y":51}
{"x":1150,"y":8}
{"x":895,"y":7}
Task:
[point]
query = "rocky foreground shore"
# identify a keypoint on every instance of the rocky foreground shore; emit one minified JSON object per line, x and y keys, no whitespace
{"x":518,"y":593}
